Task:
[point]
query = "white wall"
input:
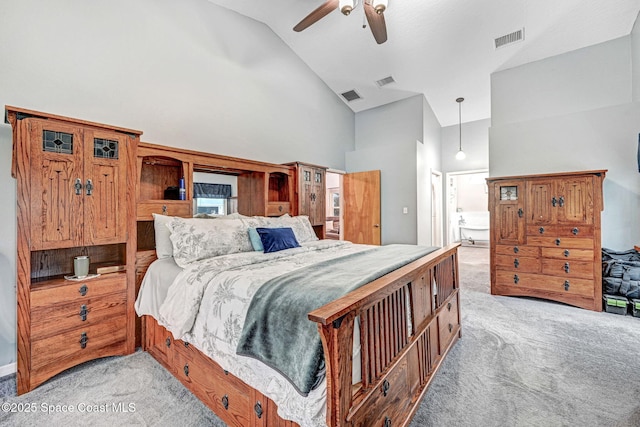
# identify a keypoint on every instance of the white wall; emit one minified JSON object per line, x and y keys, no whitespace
{"x":385,"y":139}
{"x":189,"y":74}
{"x":574,"y":112}
{"x":475,"y":144}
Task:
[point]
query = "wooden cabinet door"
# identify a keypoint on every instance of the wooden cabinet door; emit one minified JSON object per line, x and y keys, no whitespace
{"x":105,"y":181}
{"x":56,"y":168}
{"x":575,"y":200}
{"x":541,"y":202}
{"x":507,"y":207}
{"x":311,"y":194}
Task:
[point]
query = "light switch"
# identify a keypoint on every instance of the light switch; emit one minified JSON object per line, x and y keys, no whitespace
{"x":405,"y":210}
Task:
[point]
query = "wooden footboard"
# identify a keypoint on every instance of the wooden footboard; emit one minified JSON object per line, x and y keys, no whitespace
{"x":409,"y":319}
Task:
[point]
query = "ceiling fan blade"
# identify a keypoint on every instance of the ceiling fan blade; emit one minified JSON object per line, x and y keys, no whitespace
{"x":376,"y":23}
{"x":322,"y":11}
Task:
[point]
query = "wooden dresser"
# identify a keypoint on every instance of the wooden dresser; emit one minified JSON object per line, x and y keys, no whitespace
{"x":75,"y":196}
{"x":545,"y":237}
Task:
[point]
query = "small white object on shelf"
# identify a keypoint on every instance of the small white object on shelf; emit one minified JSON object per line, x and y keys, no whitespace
{"x":77,"y":279}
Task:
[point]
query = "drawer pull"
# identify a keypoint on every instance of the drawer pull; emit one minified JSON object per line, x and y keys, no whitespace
{"x":575,"y":231}
{"x":557,"y":242}
{"x":83,"y":340}
{"x":385,"y":387}
{"x":450,"y":327}
{"x":516,"y":279}
{"x":516,"y":263}
{"x":225,"y":401}
{"x":164,"y":209}
{"x":280,"y":208}
{"x":541,"y":230}
{"x":258,"y":409}
{"x":566,"y":252}
{"x":516,"y":250}
{"x":83,"y":312}
{"x":168,"y":342}
{"x":387,"y":422}
{"x":225,"y":372}
{"x":566,"y":285}
{"x":186,"y":369}
{"x":566,"y":267}
{"x":186,"y":344}
{"x":83,"y":290}
{"x":449,"y":306}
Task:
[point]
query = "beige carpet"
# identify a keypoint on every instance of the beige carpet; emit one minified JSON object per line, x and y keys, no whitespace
{"x":520,"y":362}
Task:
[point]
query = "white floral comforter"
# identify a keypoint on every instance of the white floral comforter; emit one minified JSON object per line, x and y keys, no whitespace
{"x":208,"y":301}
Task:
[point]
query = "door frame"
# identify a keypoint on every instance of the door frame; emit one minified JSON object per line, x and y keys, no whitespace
{"x":450,"y":198}
{"x":437,"y":229}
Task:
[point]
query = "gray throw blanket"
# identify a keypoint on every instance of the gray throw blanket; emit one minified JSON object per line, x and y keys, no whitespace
{"x":277,"y":330}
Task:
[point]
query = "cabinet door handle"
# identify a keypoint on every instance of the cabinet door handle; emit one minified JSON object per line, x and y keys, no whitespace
{"x":554,"y":201}
{"x":78,"y":187}
{"x":561,"y":201}
{"x":89,"y":187}
{"x":520,"y":212}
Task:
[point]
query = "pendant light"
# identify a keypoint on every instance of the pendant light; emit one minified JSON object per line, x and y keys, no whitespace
{"x":460,"y":155}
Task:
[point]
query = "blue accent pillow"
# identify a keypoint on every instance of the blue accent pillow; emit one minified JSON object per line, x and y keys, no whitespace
{"x":277,"y":239}
{"x":254,"y":237}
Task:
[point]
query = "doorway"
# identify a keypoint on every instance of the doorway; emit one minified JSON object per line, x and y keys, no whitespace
{"x":467,"y":209}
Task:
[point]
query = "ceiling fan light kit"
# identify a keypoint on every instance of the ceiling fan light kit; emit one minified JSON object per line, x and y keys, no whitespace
{"x":346,"y":6}
{"x":373,"y":11}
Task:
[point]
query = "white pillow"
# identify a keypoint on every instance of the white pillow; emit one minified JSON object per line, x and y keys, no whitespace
{"x":195,"y":239}
{"x":164,"y":247}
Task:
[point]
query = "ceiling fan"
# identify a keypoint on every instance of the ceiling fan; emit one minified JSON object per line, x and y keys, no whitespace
{"x":373,"y":9}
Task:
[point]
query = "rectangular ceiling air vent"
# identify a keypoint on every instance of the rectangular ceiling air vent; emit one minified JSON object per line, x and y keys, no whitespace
{"x":385,"y":81}
{"x":516,"y":36}
{"x":351,"y":95}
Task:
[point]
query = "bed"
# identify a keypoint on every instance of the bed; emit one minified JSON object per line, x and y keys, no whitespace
{"x":359,"y":346}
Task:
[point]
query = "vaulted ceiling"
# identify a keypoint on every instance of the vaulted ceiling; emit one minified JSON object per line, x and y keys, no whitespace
{"x":443,"y":49}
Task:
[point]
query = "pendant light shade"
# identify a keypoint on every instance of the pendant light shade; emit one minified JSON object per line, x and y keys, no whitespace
{"x":380,"y":5}
{"x":460,"y":155}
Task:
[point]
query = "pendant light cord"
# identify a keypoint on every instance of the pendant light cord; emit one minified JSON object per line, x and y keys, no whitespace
{"x":459,"y":101}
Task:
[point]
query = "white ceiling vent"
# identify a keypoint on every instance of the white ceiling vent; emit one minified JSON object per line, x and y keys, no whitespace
{"x":385,"y":81}
{"x":516,"y":36}
{"x":351,"y":95}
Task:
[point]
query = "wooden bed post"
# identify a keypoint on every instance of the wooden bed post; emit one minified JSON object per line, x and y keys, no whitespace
{"x":339,"y":366}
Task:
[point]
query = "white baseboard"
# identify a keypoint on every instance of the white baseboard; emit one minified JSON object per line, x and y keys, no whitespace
{"x":7,"y":369}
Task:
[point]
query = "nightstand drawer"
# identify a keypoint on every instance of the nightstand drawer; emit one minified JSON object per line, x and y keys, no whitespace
{"x":62,"y":291}
{"x":57,"y":318}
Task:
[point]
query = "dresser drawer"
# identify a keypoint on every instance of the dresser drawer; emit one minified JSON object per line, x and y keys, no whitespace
{"x":560,"y":230}
{"x":560,"y":242}
{"x":545,"y":283}
{"x":448,"y":324}
{"x":51,"y":320}
{"x":60,"y":291}
{"x":520,"y":250}
{"x":566,"y":268}
{"x":569,"y":254}
{"x":517,"y":263}
{"x":54,"y":354}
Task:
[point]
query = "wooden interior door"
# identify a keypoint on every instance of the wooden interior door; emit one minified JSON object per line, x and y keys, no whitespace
{"x":361,"y":209}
